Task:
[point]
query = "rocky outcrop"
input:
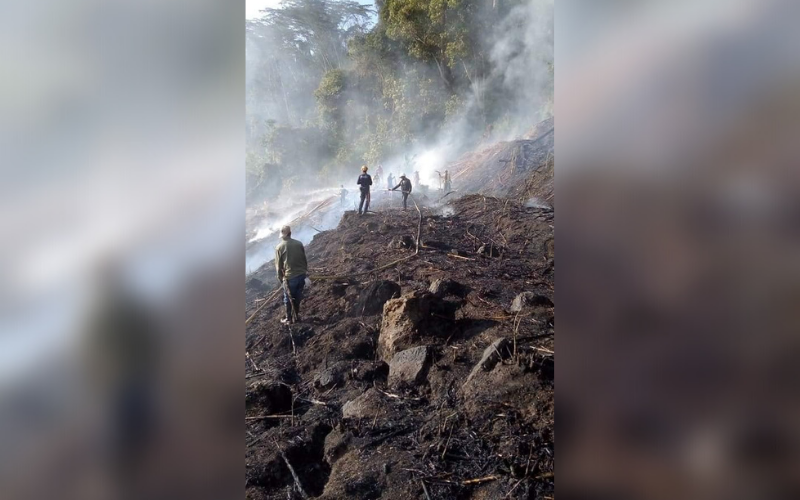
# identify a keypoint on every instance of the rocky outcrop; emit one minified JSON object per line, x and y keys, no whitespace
{"x":402,"y":318}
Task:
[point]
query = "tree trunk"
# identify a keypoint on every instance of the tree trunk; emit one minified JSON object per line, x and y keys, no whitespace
{"x":285,"y":100}
{"x":444,"y":73}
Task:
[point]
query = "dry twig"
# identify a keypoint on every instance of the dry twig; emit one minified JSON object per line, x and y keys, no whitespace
{"x":294,"y":474}
{"x":480,"y":480}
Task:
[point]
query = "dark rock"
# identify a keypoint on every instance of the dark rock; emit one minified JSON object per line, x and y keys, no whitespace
{"x":498,"y":351}
{"x":371,"y":299}
{"x":529,"y":299}
{"x":370,"y":371}
{"x":328,"y":378}
{"x":404,"y":241}
{"x":489,"y":250}
{"x":270,"y":471}
{"x":271,"y":397}
{"x":336,"y":444}
{"x":352,"y":239}
{"x":368,"y":405}
{"x":255,"y":284}
{"x":410,"y":366}
{"x":435,"y":244}
{"x":443,"y":287}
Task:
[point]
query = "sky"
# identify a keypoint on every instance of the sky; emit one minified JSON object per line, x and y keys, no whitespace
{"x":252,"y":7}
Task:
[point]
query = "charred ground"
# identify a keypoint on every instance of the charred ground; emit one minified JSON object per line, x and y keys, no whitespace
{"x":468,"y":415}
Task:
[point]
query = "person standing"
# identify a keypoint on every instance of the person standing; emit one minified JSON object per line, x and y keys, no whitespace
{"x":343,"y":194}
{"x":441,"y":180}
{"x":292,"y":268}
{"x":447,"y":184}
{"x":378,"y":174}
{"x":405,"y":188}
{"x":390,"y":181}
{"x":364,"y":182}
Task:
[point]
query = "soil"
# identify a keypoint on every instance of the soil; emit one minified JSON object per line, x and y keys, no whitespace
{"x":475,"y":424}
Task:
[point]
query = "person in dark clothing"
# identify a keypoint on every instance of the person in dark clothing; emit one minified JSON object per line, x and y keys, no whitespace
{"x":364,"y":182}
{"x":123,"y":358}
{"x":343,"y":194}
{"x":405,"y":188}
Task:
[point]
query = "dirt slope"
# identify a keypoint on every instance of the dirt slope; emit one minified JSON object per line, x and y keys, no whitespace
{"x":461,"y":413}
{"x":520,"y":169}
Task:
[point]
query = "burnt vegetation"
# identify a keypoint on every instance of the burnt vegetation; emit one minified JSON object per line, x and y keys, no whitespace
{"x":432,"y":378}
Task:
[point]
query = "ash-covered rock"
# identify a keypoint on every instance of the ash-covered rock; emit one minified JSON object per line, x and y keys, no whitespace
{"x":410,"y":366}
{"x":529,"y":299}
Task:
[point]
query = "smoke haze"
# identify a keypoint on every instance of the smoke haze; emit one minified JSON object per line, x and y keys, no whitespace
{"x":371,"y":96}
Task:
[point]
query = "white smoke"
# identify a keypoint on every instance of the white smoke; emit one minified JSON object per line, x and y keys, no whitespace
{"x":521,"y":55}
{"x":519,"y":81}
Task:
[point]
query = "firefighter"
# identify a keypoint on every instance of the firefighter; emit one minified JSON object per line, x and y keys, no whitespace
{"x":405,"y":188}
{"x":364,"y":182}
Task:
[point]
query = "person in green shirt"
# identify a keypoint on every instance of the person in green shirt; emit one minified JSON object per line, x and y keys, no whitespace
{"x":292,"y":268}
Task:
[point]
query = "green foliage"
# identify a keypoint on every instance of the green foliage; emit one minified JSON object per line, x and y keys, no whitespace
{"x":333,"y":85}
{"x":331,"y":97}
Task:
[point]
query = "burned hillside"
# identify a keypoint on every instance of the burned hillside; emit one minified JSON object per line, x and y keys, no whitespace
{"x":520,"y":169}
{"x":423,"y":364}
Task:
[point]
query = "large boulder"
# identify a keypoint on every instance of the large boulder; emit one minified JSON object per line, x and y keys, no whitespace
{"x":402,"y":318}
{"x":371,"y":299}
{"x":410,"y":366}
{"x":529,"y":299}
